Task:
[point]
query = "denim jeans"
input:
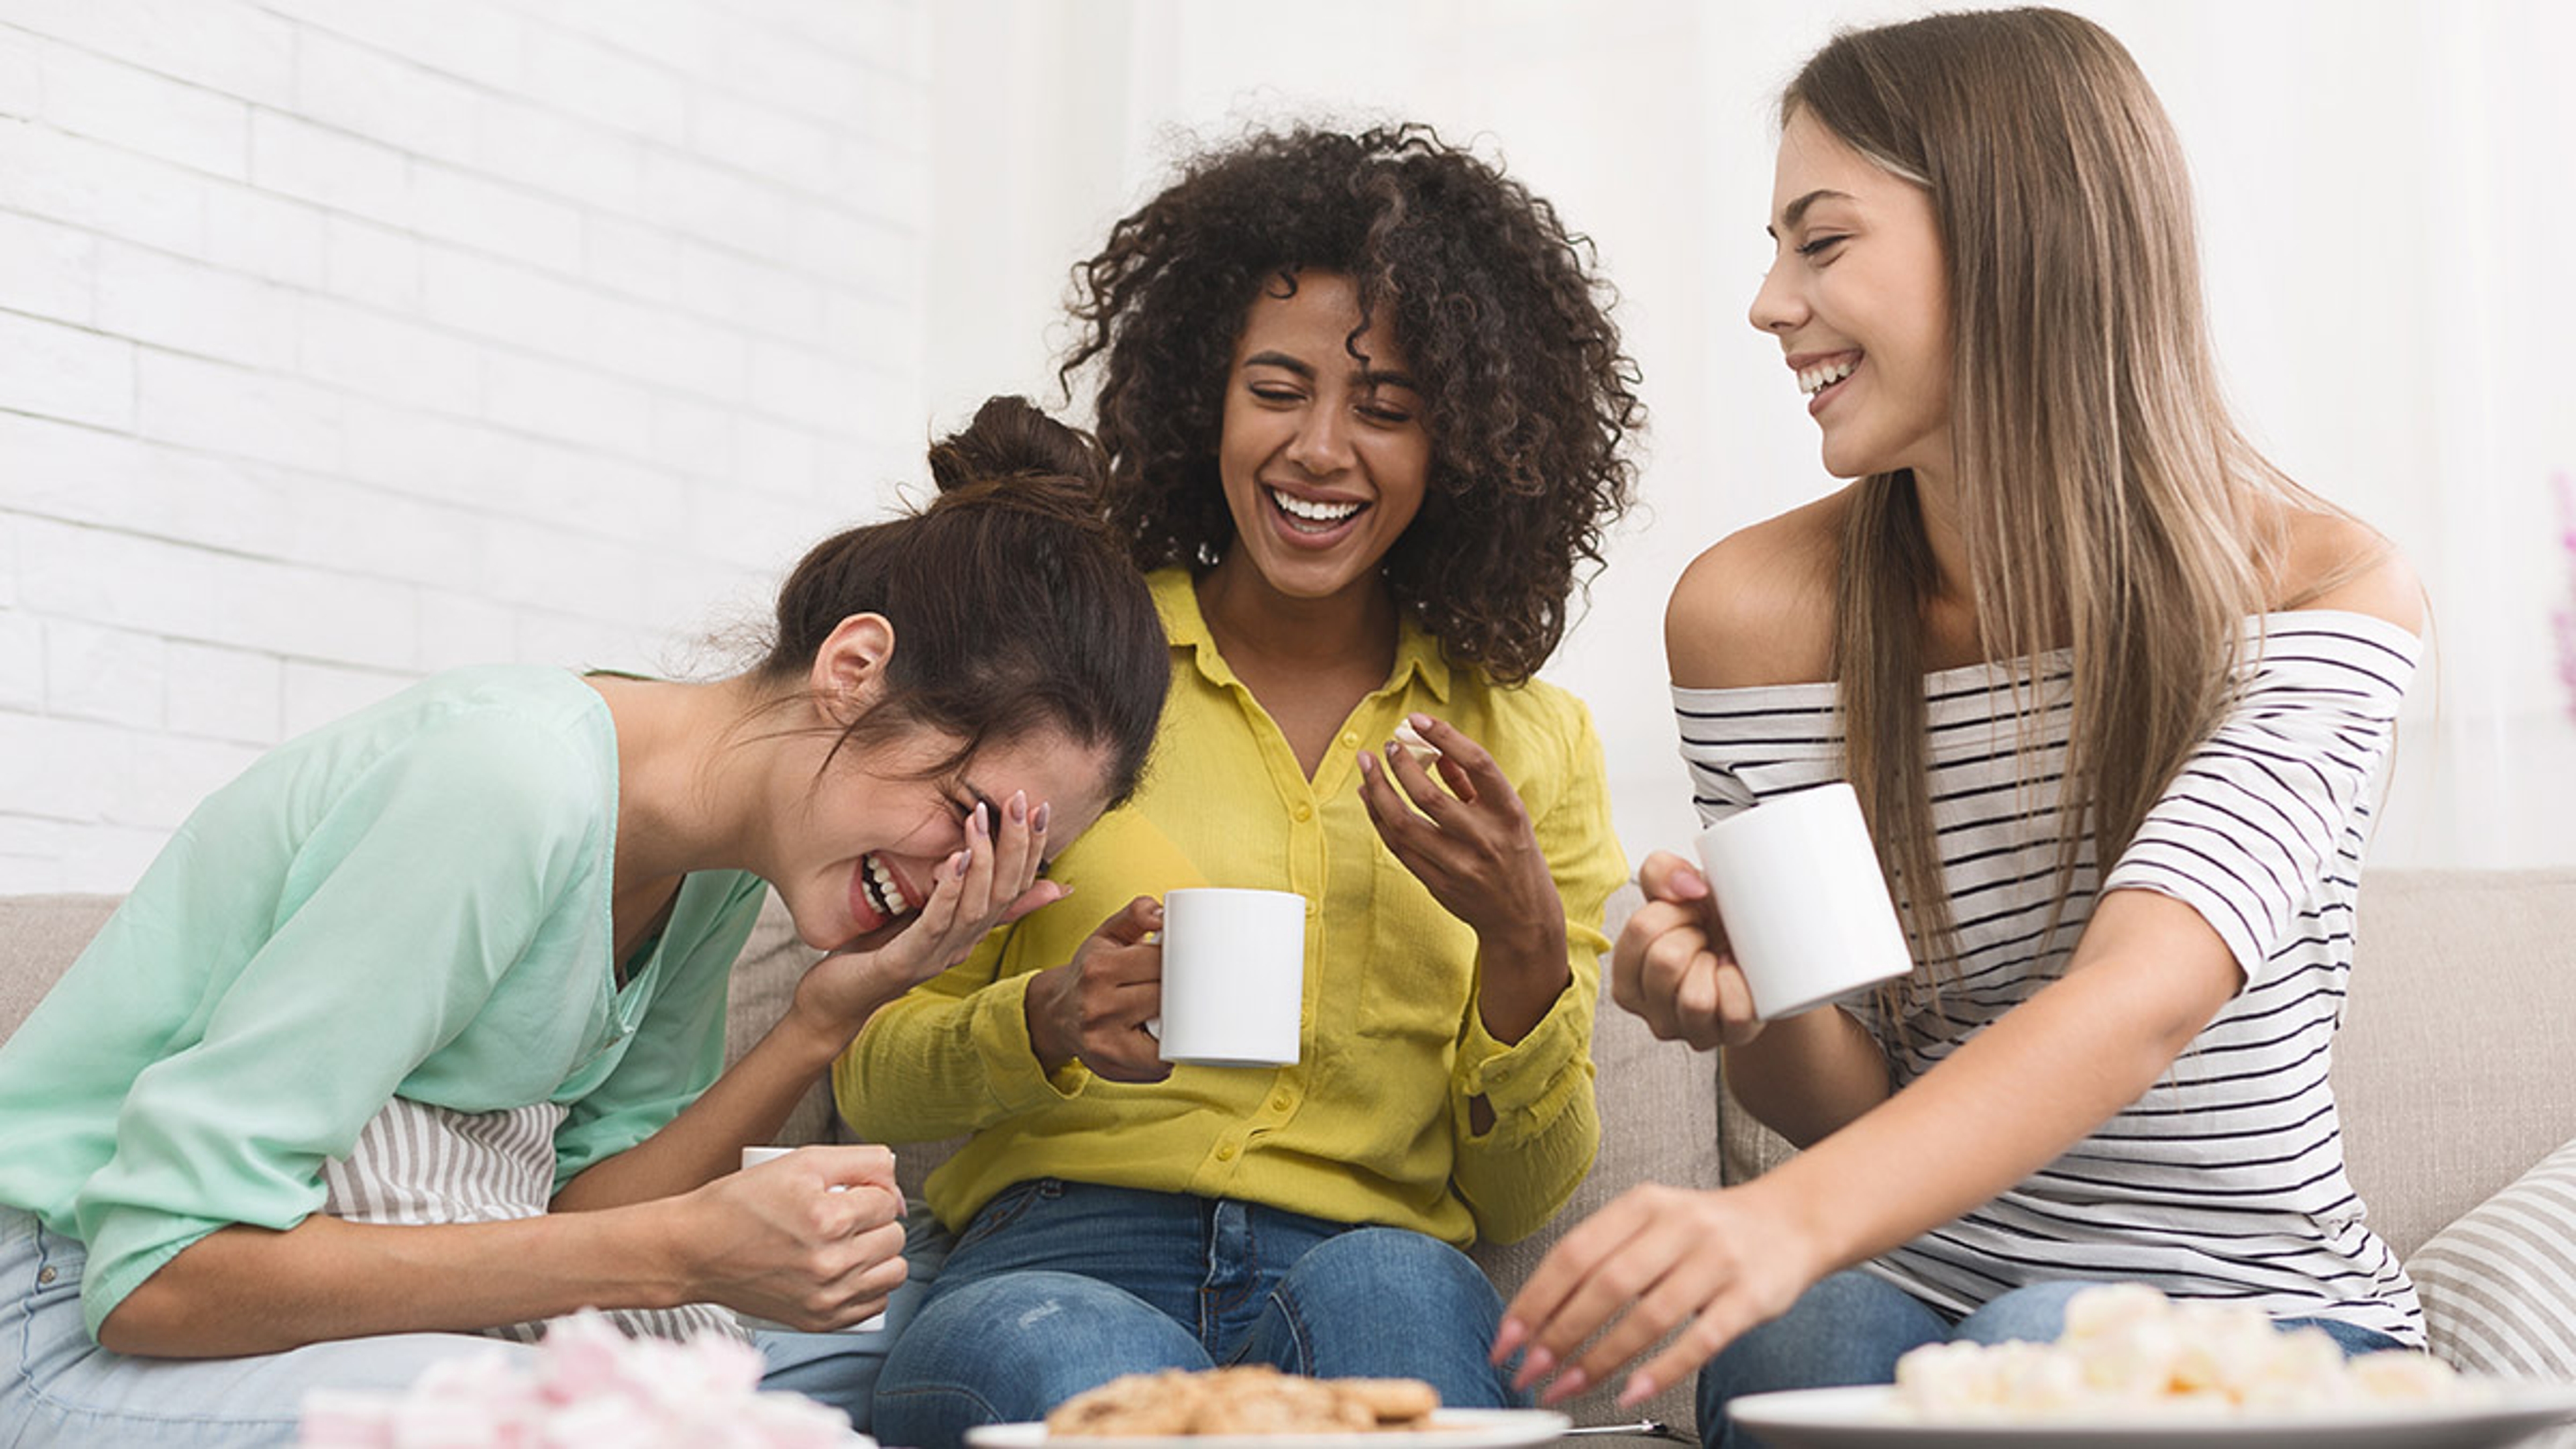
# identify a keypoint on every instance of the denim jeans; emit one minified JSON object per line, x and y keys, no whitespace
{"x":1851,"y":1328}
{"x":840,"y":1369}
{"x":62,"y":1389}
{"x":1058,"y":1287}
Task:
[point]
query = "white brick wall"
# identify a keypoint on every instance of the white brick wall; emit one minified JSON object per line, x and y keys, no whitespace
{"x":346,"y":340}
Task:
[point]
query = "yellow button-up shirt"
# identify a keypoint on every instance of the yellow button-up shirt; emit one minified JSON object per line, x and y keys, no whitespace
{"x":1371,"y":1124}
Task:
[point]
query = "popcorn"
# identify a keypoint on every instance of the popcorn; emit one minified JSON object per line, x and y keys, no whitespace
{"x":591,"y":1385}
{"x":2127,"y":1351}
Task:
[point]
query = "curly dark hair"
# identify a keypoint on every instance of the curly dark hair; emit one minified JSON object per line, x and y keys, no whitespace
{"x":1503,"y":324}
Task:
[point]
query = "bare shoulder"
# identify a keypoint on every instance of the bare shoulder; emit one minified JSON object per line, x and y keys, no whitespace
{"x":1758,"y":606}
{"x":2336,"y":561}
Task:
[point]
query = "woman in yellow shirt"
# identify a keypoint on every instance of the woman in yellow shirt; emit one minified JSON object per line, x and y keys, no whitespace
{"x":1366,"y":419}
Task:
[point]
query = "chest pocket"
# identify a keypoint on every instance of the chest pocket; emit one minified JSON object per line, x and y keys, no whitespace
{"x":1421,"y":961}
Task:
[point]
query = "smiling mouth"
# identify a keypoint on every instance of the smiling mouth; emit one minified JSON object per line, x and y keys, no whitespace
{"x":1813,"y":380}
{"x":884,"y":894}
{"x":1313,"y":515}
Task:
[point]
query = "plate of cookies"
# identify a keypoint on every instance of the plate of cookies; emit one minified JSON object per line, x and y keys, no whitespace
{"x":1258,"y":1407}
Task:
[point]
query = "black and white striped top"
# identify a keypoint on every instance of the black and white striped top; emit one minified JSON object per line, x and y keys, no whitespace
{"x":2226,"y":1179}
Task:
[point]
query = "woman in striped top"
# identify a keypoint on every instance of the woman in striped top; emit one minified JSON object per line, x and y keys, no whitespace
{"x":2114,"y":694}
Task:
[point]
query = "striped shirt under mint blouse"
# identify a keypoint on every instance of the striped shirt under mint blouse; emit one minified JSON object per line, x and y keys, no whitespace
{"x":2226,"y":1179}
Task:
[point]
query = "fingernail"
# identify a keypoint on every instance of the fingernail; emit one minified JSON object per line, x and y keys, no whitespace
{"x":1038,"y":817}
{"x":1510,"y":1336}
{"x":1638,"y":1389}
{"x":1534,"y":1367}
{"x":1019,"y":806}
{"x":1567,"y":1385}
{"x":1419,"y":721}
{"x":1368,"y":762}
{"x":957,"y":863}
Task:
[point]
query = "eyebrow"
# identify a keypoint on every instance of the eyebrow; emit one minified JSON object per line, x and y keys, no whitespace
{"x":1796,"y":211}
{"x":1364,"y":376}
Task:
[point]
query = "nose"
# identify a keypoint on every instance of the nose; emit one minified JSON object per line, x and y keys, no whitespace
{"x":1323,"y":441}
{"x":1776,"y":305}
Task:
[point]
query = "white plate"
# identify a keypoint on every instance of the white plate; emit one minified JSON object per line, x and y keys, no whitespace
{"x":1450,"y":1429}
{"x":1859,"y":1419}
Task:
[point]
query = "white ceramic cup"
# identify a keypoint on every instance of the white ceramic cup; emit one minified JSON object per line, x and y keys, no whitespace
{"x":1234,"y":976}
{"x":753,"y":1157}
{"x":1806,"y":908}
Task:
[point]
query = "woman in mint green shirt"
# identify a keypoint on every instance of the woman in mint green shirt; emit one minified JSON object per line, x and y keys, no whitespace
{"x":489,"y":920}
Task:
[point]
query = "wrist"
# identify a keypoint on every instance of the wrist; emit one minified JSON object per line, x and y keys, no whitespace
{"x":1806,"y":1233}
{"x":1518,"y":985}
{"x":1037,"y":1015}
{"x":650,"y":1244}
{"x":814,"y":1037}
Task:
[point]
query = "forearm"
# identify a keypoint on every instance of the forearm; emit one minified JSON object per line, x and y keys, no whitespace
{"x":1808,"y":1076}
{"x":1520,"y":973}
{"x":745,"y":1107}
{"x":245,"y":1290}
{"x":932,"y":1065}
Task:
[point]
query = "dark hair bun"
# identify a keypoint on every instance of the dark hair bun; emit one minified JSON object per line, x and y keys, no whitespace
{"x":1014,"y":455}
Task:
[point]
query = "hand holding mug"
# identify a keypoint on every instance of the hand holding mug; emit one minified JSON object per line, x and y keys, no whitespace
{"x":814,"y":1242}
{"x":1671,"y":967}
{"x":1095,"y":1006}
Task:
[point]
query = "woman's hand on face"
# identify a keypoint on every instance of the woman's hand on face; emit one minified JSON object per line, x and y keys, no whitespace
{"x":813,"y":1239}
{"x":1670,"y":964}
{"x":1095,"y":1006}
{"x":1471,"y":844}
{"x":1656,"y":1259}
{"x":992,"y":882}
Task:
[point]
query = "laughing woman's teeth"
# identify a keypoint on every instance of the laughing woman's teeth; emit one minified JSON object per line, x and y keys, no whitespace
{"x":1813,"y":380}
{"x":1305,"y":510}
{"x":882,"y":890}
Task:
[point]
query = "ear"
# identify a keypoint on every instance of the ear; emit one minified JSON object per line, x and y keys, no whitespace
{"x":849,"y":674}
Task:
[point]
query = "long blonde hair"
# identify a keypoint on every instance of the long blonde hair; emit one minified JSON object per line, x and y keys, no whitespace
{"x":2107,"y":501}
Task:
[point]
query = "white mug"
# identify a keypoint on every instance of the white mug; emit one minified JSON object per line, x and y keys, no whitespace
{"x":753,"y":1157}
{"x":1805,"y":906}
{"x":1234,"y":977}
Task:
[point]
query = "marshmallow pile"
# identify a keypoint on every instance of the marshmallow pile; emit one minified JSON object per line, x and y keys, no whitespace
{"x":590,"y":1385}
{"x":2127,"y":1351}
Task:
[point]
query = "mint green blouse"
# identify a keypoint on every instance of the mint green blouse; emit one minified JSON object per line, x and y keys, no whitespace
{"x":411,"y":902}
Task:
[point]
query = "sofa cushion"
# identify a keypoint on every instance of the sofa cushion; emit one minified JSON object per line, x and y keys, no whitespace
{"x":2499,"y":1285}
{"x":45,"y":935}
{"x":2450,"y":1074}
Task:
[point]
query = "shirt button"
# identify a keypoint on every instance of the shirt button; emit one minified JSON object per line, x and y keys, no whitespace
{"x":1282,"y":1102}
{"x":1350,"y":741}
{"x":46,"y":1275}
{"x":1303,"y":811}
{"x":1225,"y":1152}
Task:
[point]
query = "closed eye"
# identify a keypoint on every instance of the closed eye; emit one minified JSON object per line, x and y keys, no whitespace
{"x":1819,"y":245}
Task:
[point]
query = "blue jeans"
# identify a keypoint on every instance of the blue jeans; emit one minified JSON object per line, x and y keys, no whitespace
{"x":61,"y":1389}
{"x":1058,"y":1287}
{"x":1851,"y":1328}
{"x":840,"y":1369}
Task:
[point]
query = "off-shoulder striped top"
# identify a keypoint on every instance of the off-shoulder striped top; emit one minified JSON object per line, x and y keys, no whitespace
{"x":2226,"y":1180}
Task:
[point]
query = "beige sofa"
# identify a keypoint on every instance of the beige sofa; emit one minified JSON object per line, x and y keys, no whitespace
{"x":2452,"y":1068}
